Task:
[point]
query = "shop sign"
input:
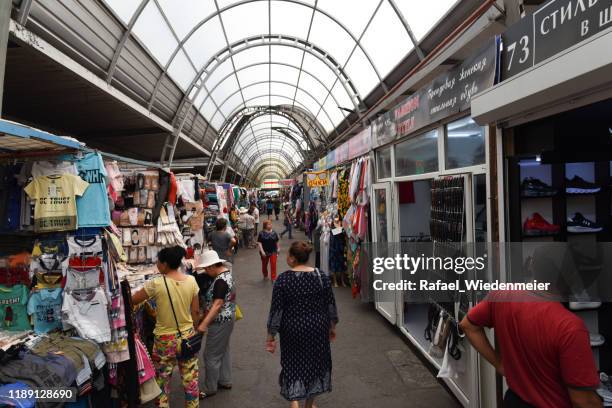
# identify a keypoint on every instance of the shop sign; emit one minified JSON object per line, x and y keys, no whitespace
{"x":384,"y":130}
{"x":286,"y":182}
{"x":342,"y":153}
{"x":331,"y":159}
{"x":316,"y":179}
{"x":322,"y":163}
{"x":448,"y":94}
{"x":360,"y":144}
{"x":555,"y":26}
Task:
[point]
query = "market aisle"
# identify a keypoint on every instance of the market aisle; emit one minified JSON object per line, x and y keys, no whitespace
{"x":363,"y":376}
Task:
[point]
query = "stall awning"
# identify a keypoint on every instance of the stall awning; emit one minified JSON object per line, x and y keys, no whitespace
{"x":17,"y":138}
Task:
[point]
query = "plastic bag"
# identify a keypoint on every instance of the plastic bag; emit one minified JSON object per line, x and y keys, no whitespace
{"x":451,"y":368}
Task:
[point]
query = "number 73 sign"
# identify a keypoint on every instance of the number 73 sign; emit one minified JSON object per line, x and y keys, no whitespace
{"x":556,"y":26}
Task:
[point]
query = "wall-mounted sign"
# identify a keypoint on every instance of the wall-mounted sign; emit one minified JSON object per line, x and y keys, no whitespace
{"x":383,"y":129}
{"x":316,"y":178}
{"x":331,"y":159}
{"x":342,"y":153}
{"x":322,"y":163}
{"x":360,"y":144}
{"x":556,"y":26}
{"x":286,"y":182}
{"x":449,"y":93}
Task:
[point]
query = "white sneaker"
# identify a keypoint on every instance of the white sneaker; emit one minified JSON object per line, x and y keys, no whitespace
{"x":584,"y":305}
{"x":596,"y":339}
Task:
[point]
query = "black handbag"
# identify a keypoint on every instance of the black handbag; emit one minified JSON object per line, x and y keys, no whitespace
{"x":191,"y":346}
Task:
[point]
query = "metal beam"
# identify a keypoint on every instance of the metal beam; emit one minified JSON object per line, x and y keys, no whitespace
{"x":268,"y":135}
{"x":274,"y":163}
{"x":24,"y":11}
{"x":269,"y":63}
{"x":270,"y":169}
{"x":219,"y":11}
{"x":401,"y":17}
{"x":321,"y":107}
{"x":126,"y":34}
{"x":27,"y":37}
{"x":5,"y":20}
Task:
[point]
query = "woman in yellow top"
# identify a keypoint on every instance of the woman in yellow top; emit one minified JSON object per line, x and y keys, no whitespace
{"x":184,"y":293}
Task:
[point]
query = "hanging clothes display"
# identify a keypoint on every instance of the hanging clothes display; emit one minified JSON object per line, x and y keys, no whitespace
{"x":324,"y":246}
{"x":337,"y":255}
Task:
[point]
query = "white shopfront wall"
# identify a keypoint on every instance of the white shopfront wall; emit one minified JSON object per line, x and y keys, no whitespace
{"x":476,"y":387}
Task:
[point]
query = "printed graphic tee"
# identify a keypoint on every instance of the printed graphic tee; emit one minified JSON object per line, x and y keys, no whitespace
{"x":45,"y":306}
{"x":55,"y":201}
{"x":92,"y":206}
{"x":13,"y":301}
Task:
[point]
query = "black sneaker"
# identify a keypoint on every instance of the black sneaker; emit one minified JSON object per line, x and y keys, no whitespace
{"x":578,"y":185}
{"x":533,"y":187}
{"x":580,"y":224}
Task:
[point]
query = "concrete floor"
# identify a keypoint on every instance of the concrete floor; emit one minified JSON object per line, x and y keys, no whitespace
{"x":372,"y":365}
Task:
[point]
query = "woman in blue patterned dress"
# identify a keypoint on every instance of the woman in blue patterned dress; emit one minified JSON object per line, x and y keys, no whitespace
{"x":303,"y":313}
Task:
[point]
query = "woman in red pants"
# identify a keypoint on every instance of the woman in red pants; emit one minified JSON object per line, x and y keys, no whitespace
{"x":267,"y":242}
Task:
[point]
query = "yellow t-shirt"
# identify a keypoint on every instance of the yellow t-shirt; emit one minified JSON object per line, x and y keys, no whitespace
{"x":55,"y":197}
{"x":182,"y":293}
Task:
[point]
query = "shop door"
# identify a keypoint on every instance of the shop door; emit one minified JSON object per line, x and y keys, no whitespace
{"x":382,"y":233}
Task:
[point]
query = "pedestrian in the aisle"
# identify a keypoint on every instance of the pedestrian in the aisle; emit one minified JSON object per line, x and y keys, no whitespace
{"x":267,"y":242}
{"x":178,"y":290}
{"x":544,"y":349}
{"x":247,"y":225}
{"x":269,"y":207}
{"x":303,"y":313}
{"x":218,"y":323}
{"x":287,"y":222}
{"x":221,"y":241}
{"x":254,"y":211}
{"x":276,"y":207}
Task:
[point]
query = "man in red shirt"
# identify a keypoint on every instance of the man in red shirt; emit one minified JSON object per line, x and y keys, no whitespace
{"x":544,"y":350}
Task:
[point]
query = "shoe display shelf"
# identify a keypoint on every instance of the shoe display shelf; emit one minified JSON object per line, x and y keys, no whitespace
{"x":566,"y":201}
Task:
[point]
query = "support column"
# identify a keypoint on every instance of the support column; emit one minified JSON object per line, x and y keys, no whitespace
{"x":5,"y":20}
{"x":224,"y":172}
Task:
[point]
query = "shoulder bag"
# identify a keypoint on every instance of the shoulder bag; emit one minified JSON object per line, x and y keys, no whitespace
{"x":191,"y":346}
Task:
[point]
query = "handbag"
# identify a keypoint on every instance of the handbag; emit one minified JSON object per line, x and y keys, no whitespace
{"x":239,"y":315}
{"x":189,"y":346}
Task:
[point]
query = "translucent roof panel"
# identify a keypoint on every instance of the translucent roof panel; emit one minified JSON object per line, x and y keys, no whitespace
{"x":124,"y":8}
{"x":247,"y":20}
{"x":286,"y":52}
{"x":290,"y":19}
{"x":185,"y":17}
{"x":422,"y":19}
{"x":380,"y":31}
{"x":155,"y":34}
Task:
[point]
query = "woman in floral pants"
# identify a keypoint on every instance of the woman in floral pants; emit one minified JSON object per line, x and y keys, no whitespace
{"x":164,"y":357}
{"x":175,"y":290}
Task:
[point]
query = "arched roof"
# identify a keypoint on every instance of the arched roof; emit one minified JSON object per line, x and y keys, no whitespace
{"x":314,"y":55}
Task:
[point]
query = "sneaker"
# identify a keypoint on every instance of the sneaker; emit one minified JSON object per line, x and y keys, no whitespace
{"x":537,"y":225}
{"x":596,"y":339}
{"x":583,"y":305}
{"x":533,"y":187}
{"x":578,"y":185}
{"x":581,"y":224}
{"x":605,"y":389}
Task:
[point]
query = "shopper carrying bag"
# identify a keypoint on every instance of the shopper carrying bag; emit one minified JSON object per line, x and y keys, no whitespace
{"x":176,"y":297}
{"x":218,"y":323}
